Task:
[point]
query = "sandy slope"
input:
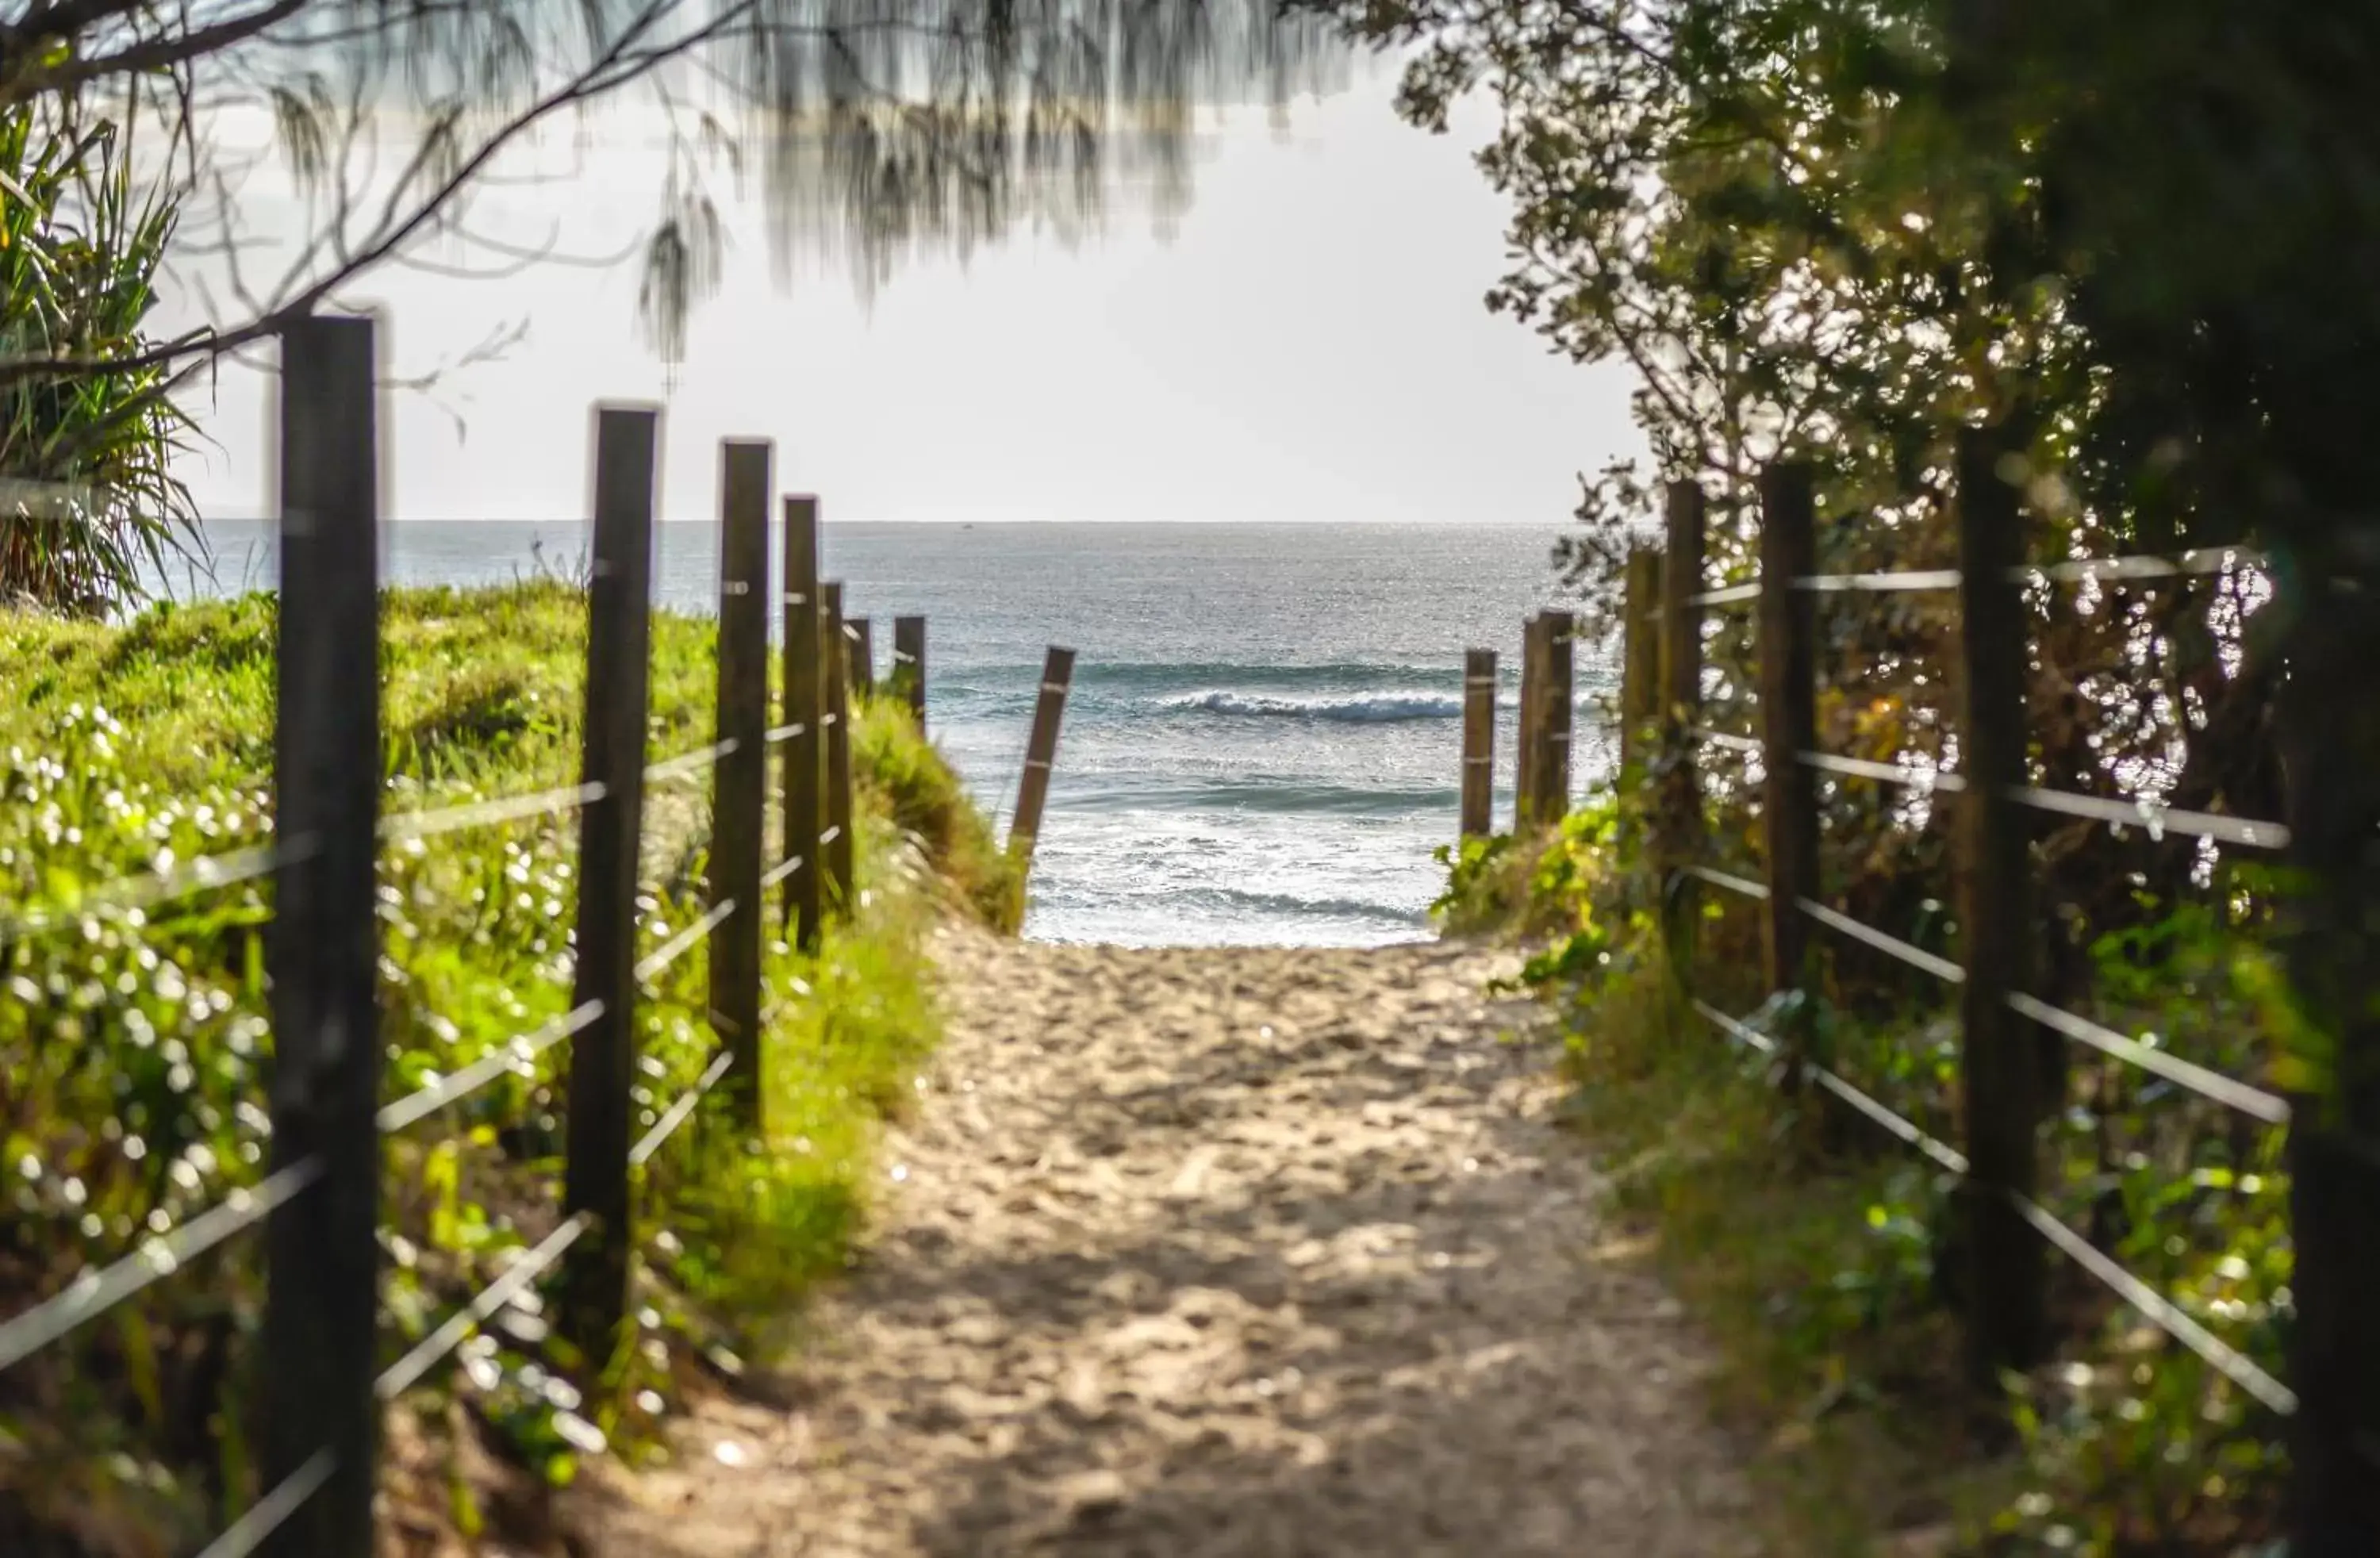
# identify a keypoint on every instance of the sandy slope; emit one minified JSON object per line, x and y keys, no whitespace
{"x":1223,"y":1252}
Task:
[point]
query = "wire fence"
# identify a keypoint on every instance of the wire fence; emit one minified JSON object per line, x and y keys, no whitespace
{"x":323,"y":1298}
{"x":2001,"y":1105}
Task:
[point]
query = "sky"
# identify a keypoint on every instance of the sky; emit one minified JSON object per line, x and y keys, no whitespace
{"x":1309,"y":344}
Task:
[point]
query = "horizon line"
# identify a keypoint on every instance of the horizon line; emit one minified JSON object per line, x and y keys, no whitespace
{"x":661,"y":521}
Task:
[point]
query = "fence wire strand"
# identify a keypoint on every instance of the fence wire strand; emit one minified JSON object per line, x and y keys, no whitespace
{"x":517,"y":1050}
{"x":1750,"y":889}
{"x":428,"y":1353}
{"x":2146,"y":814}
{"x":2157,"y":819}
{"x":676,"y":947}
{"x":687,"y":764}
{"x":269,"y":1512}
{"x":2079,"y":570}
{"x":2205,"y":560}
{"x":2210,"y":1085}
{"x":2159,"y":1311}
{"x":152,"y":889}
{"x":1722,"y":738}
{"x":2153,"y":1306}
{"x":487,"y":813}
{"x":1887,"y":582}
{"x":1889,"y":772}
{"x":666,"y":1127}
{"x":93,"y":1292}
{"x":1915,"y":956}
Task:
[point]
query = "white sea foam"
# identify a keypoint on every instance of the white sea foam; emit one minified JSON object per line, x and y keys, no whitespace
{"x":1353,"y":708}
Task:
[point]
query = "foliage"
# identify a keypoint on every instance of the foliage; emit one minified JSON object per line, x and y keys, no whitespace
{"x":1834,"y":231}
{"x":1482,"y":884}
{"x":1841,"y":231}
{"x":923,"y":797}
{"x":2130,"y":1451}
{"x":1839,"y":228}
{"x":1829,"y":1273}
{"x":868,"y":132}
{"x":85,"y":496}
{"x":135,"y":1048}
{"x":1526,"y":886}
{"x":1814,"y":1279}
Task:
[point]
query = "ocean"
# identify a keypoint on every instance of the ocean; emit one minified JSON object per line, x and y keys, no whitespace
{"x":1263,"y":741}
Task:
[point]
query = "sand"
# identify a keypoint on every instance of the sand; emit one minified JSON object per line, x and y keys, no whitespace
{"x":1219,"y":1251}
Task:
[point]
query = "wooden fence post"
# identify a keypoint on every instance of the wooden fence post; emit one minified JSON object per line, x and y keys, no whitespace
{"x":1679,"y":814}
{"x":322,"y":1248}
{"x":602,"y":1055}
{"x":836,"y":841}
{"x":1640,"y":665}
{"x":2008,"y":1270}
{"x":909,"y":665}
{"x":1040,"y":750}
{"x":1788,"y":695}
{"x":805,"y":711}
{"x":1527,"y":726}
{"x":2329,"y":738}
{"x":740,"y":782}
{"x":863,"y":657}
{"x":1551,"y":790}
{"x":1478,"y":743}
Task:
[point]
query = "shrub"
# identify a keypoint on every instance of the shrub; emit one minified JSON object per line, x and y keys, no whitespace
{"x":86,"y":494}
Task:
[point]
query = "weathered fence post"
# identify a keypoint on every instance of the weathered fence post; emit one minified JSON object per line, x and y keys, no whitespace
{"x":1640,"y":665}
{"x":863,"y":657}
{"x":1678,"y":816}
{"x":836,"y":841}
{"x":909,"y":665}
{"x":2329,"y":736}
{"x":1789,"y":720}
{"x":1550,"y":789}
{"x":805,"y":711}
{"x":602,"y":1055}
{"x":740,"y":782}
{"x":1529,"y":725}
{"x":1040,"y":750}
{"x":1478,"y":743}
{"x":322,"y":1248}
{"x":2008,"y":1271}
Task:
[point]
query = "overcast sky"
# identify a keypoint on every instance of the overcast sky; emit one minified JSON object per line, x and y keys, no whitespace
{"x":1309,"y":345}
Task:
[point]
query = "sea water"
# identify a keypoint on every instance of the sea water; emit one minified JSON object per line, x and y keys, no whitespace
{"x":1263,"y":744}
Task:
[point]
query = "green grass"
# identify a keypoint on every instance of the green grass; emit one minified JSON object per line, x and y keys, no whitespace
{"x":135,"y":1051}
{"x":922,"y":796}
{"x":1820,"y":1255}
{"x":1809,"y":1275}
{"x":1811,"y":1278}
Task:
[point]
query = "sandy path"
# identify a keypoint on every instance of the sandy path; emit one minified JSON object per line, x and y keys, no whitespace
{"x":1224,"y":1252}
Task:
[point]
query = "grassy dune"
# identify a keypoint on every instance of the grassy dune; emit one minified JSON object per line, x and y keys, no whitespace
{"x":135,"y":1051}
{"x":1824,"y":1259}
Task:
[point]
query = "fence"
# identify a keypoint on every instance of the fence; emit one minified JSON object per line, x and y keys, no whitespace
{"x":318,"y":1202}
{"x":2002,"y":1103}
{"x":1541,"y":759}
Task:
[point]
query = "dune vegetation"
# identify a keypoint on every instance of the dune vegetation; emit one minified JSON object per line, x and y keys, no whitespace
{"x":135,"y":1052}
{"x":1821,"y":1254}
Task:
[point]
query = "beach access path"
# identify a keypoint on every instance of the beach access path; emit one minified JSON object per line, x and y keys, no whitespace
{"x":1193,"y":1252}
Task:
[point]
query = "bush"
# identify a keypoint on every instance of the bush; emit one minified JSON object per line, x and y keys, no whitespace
{"x":86,"y":494}
{"x":922,"y":796}
{"x":137,"y":1051}
{"x":1824,"y":1256}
